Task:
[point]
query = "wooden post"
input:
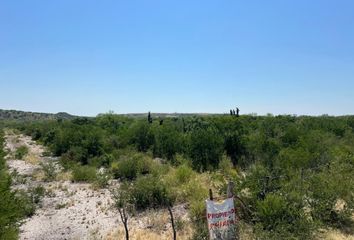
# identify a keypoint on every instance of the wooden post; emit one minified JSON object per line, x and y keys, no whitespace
{"x":230,"y":189}
{"x":211,"y":194}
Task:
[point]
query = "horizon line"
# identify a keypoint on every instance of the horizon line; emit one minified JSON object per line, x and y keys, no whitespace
{"x":181,"y":113}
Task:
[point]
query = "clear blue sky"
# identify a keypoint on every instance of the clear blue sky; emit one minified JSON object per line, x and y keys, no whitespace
{"x":88,"y":57}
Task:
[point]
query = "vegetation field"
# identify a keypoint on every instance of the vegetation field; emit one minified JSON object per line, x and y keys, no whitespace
{"x":293,"y":175}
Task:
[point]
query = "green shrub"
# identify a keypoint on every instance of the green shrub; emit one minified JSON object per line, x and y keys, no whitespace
{"x":105,"y":160}
{"x":184,"y":173}
{"x":168,"y":141}
{"x":84,"y":174}
{"x":50,"y":171}
{"x":149,"y":192}
{"x":26,"y":202}
{"x":125,"y":169}
{"x":73,"y":156}
{"x":234,"y":146}
{"x":142,"y":136}
{"x":227,"y":168}
{"x":102,"y":179}
{"x":279,"y":217}
{"x":180,"y":159}
{"x":129,"y":167}
{"x":333,"y":185}
{"x":21,"y":152}
{"x":205,"y":149}
{"x":10,"y":211}
{"x":37,"y":194}
{"x":272,"y":211}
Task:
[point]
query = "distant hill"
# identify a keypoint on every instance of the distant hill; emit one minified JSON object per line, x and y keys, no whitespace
{"x":15,"y":115}
{"x":32,"y":116}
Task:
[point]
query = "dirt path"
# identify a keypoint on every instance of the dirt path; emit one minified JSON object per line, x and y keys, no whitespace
{"x":76,"y":210}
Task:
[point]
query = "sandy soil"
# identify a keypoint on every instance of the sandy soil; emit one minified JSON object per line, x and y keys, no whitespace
{"x":77,"y":210}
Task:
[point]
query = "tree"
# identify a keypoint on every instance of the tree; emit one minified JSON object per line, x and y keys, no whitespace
{"x":149,"y":118}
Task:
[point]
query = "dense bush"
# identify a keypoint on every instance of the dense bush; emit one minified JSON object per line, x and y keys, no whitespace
{"x":282,"y":218}
{"x":84,"y":174}
{"x":149,"y":192}
{"x":205,"y":148}
{"x":129,"y":167}
{"x":168,"y":141}
{"x":74,"y":155}
{"x":330,"y":188}
{"x":141,"y":135}
{"x":183,"y":174}
{"x":9,"y":210}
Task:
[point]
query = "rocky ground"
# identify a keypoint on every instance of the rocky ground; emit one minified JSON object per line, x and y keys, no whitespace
{"x":77,"y":210}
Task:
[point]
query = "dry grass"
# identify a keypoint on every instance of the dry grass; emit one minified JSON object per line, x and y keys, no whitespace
{"x":157,"y":222}
{"x":32,"y":158}
{"x":148,"y":234}
{"x":38,"y":175}
{"x":151,"y":225}
{"x":332,"y":234}
{"x":64,"y":176}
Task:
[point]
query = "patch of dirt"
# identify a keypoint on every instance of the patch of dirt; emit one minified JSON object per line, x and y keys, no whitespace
{"x":71,"y":211}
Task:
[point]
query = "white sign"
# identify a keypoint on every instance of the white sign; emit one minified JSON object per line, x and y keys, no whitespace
{"x":221,"y":219}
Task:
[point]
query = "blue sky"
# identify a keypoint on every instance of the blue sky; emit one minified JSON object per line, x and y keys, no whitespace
{"x":87,"y":57}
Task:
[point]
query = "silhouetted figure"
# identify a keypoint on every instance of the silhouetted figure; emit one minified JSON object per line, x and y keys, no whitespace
{"x":233,"y":112}
{"x":237,"y":112}
{"x":161,"y":122}
{"x":149,"y":118}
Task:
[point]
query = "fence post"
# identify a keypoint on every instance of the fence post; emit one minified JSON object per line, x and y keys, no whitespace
{"x":211,"y":194}
{"x":230,"y":189}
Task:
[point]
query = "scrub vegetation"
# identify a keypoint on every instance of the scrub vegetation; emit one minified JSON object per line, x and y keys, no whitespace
{"x":293,"y":174}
